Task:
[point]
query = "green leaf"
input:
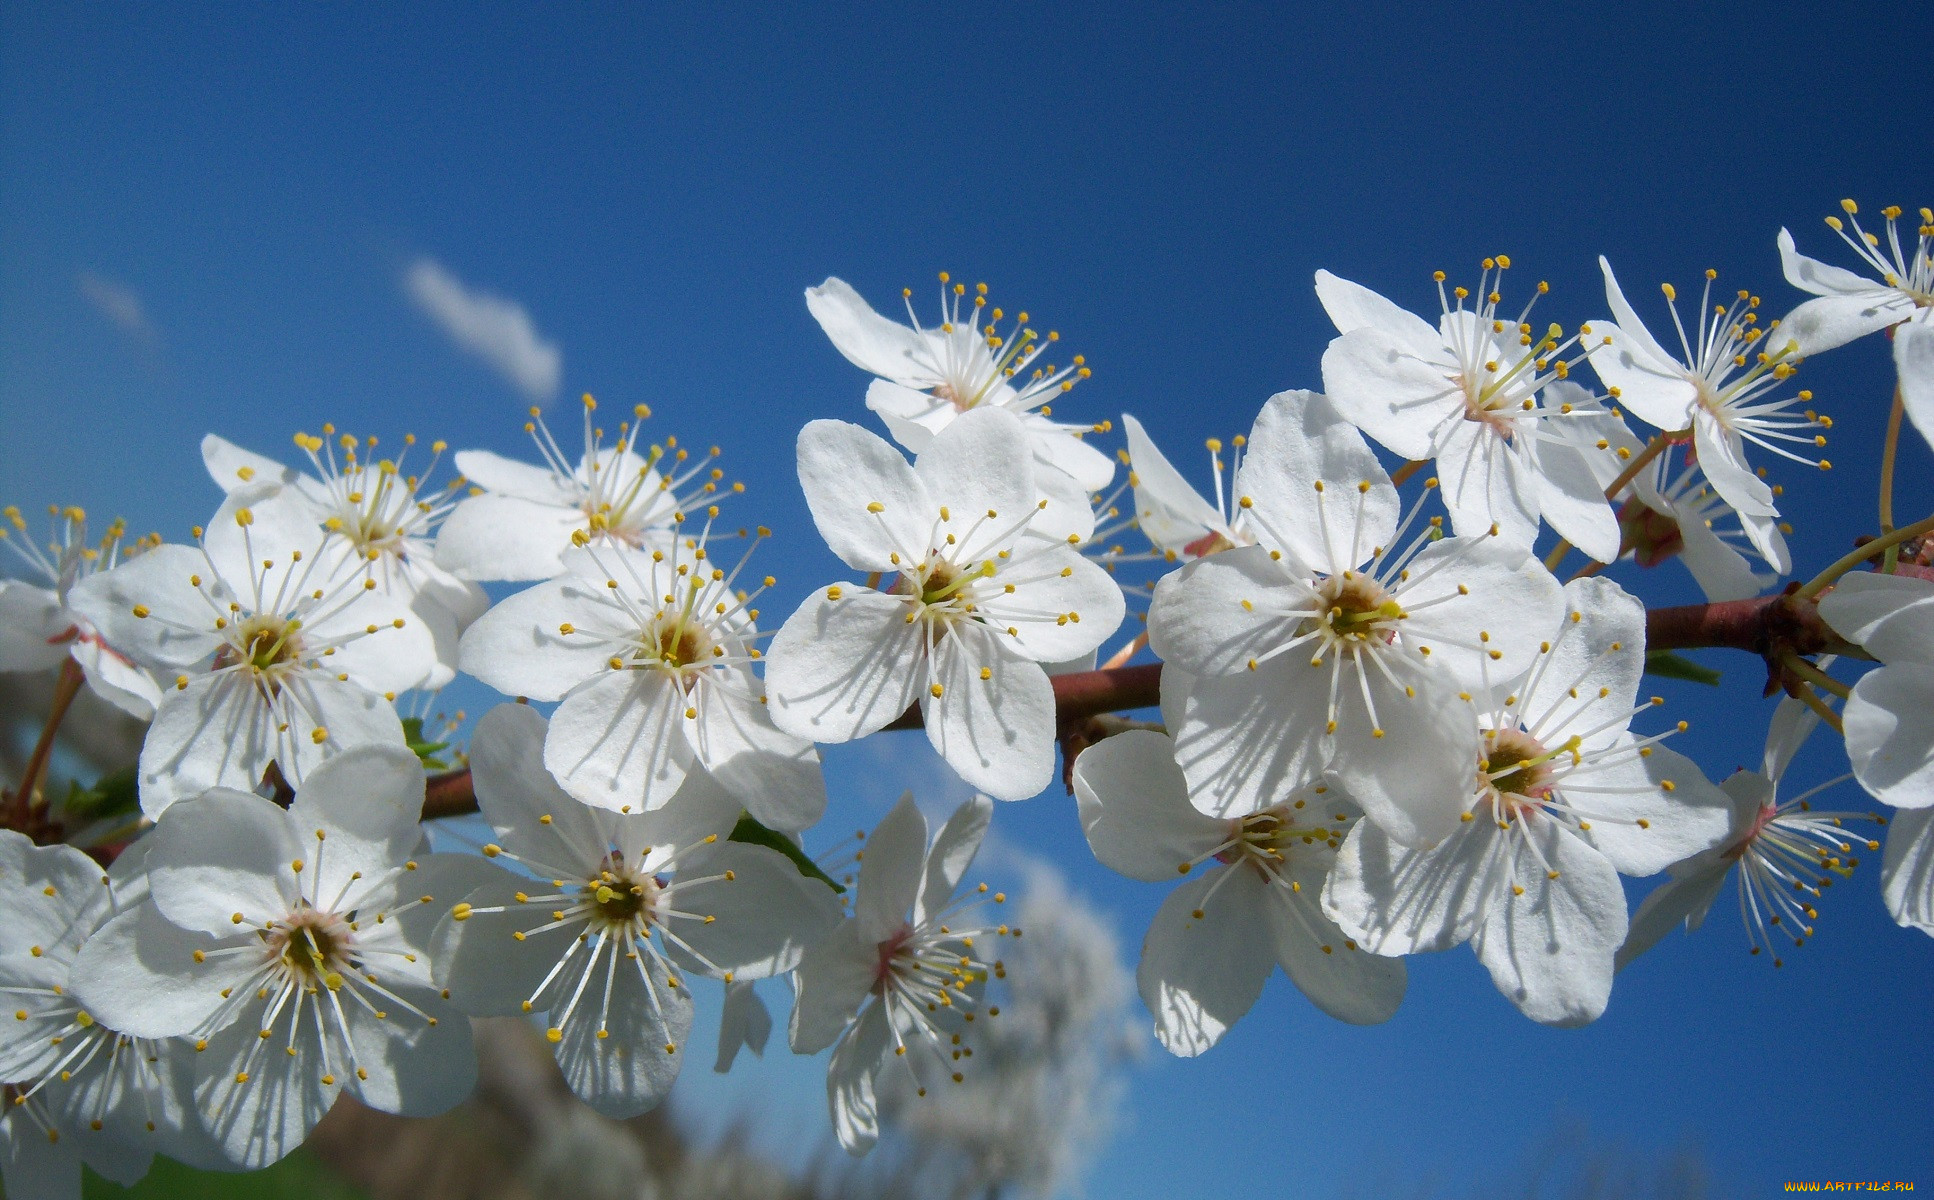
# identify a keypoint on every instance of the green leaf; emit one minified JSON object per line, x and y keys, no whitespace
{"x":413,"y":737}
{"x":111,"y":795}
{"x":752,"y":833}
{"x":1668,"y":665}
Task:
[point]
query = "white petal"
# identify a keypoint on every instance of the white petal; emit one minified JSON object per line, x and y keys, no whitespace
{"x":767,"y":912}
{"x":1890,"y":735}
{"x":260,"y":1122}
{"x":1890,"y":616}
{"x":517,"y":647}
{"x":1486,"y":484}
{"x":516,"y":793}
{"x":415,"y":1069}
{"x":222,"y":853}
{"x":488,"y":971}
{"x":1199,"y":975}
{"x":845,"y":470}
{"x":1169,"y":512}
{"x":115,"y":679}
{"x":1651,"y":387}
{"x":1348,"y":983}
{"x":1506,"y":593}
{"x":833,"y":980}
{"x":33,"y":627}
{"x":1669,"y":906}
{"x":841,"y":669}
{"x":982,"y":461}
{"x":1832,"y":321}
{"x":369,"y":799}
{"x":138,"y":974}
{"x":507,"y":477}
{"x":618,"y":742}
{"x":1589,"y":680}
{"x":1069,"y":511}
{"x":775,"y":775}
{"x":493,"y":537}
{"x":1058,"y":448}
{"x":1134,"y":807}
{"x":895,"y":858}
{"x":1352,"y":306}
{"x":233,"y":468}
{"x":1907,"y":869}
{"x":1812,"y":275}
{"x":911,"y":416}
{"x":1722,"y":456}
{"x":630,"y":1071}
{"x":1391,"y":393}
{"x":850,"y":1078}
{"x":1550,"y":949}
{"x":1048,"y":586}
{"x":1652,"y":812}
{"x":1629,"y":331}
{"x":36,"y":1167}
{"x":1722,"y":572}
{"x":1396,"y":900}
{"x":701,"y":809}
{"x":1304,"y":472}
{"x":54,"y":895}
{"x":1572,"y":500}
{"x":179,"y":630}
{"x":1914,"y":361}
{"x":743,"y":1021}
{"x":397,"y":656}
{"x":868,"y":340}
{"x":997,"y":733}
{"x":1216,"y":615}
{"x":952,"y":852}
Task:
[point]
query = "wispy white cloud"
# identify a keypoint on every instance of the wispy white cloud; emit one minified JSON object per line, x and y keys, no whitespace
{"x":120,"y":304}
{"x":495,"y":329}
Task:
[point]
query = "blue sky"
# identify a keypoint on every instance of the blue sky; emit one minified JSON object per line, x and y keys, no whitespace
{"x":206,"y":218}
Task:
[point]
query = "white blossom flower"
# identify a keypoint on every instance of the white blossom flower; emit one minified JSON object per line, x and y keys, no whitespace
{"x":651,"y":654}
{"x":114,"y":1097}
{"x":1218,"y":936}
{"x":1334,"y":646}
{"x":380,"y":515}
{"x":1907,"y":869}
{"x":1669,"y":510}
{"x":1914,"y":363}
{"x":902,"y":978}
{"x":930,"y":377}
{"x":1889,"y":718}
{"x":294,"y":945}
{"x":1785,"y":852}
{"x":620,"y":911}
{"x":1851,"y":306}
{"x":38,"y":628}
{"x":1565,"y":800}
{"x":975,"y":607}
{"x":1467,"y":395}
{"x":1721,"y":387}
{"x":280,"y":650}
{"x":1175,"y":518}
{"x":518,"y":521}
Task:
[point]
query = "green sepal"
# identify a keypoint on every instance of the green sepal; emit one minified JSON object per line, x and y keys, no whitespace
{"x":752,"y":833}
{"x":1668,"y":665}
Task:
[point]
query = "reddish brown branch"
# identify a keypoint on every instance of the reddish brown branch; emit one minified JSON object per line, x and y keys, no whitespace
{"x":1766,"y":626}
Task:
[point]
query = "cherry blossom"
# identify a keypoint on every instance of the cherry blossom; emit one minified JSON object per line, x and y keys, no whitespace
{"x":280,"y":651}
{"x":1334,"y":645}
{"x":1468,"y":394}
{"x":974,"y":610}
{"x":1890,"y":715}
{"x":1217,"y":937}
{"x":1849,"y":305}
{"x":901,"y":979}
{"x":651,"y":654}
{"x":614,"y":916}
{"x":1565,"y":800}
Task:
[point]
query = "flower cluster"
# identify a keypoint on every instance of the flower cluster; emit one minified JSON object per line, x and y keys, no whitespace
{"x":1387,"y":727}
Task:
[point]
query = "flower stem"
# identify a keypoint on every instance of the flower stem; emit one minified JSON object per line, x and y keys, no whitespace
{"x":1849,"y":561}
{"x":1652,"y":450}
{"x":1889,"y":451}
{"x":1404,"y":472}
{"x":1807,"y":697}
{"x":1814,"y":675}
{"x":65,"y":689}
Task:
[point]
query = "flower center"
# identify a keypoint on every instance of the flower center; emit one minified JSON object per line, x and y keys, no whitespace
{"x":1264,"y":840}
{"x":620,"y":899}
{"x":262,"y":644}
{"x":891,"y":951}
{"x":680,"y":643}
{"x":1516,"y":767}
{"x":1357,"y":609}
{"x":314,"y":947}
{"x":1652,"y":536}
